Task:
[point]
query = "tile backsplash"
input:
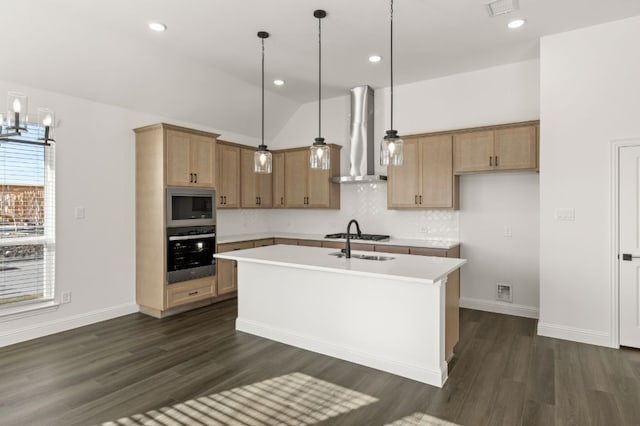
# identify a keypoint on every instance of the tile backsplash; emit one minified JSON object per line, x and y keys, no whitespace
{"x":367,"y":203}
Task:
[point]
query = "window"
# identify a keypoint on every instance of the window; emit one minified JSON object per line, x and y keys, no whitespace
{"x":27,"y":223}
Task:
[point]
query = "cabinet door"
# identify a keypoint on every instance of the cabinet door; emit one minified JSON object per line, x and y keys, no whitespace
{"x":203,"y":159}
{"x":248,"y":180}
{"x":403,"y":185}
{"x":178,"y":159}
{"x":226,"y":274}
{"x":436,"y":170}
{"x":516,"y":148}
{"x":264,"y":183}
{"x":319,"y":189}
{"x":296,"y":171}
{"x":473,"y":152}
{"x":228,"y":176}
{"x":278,"y":180}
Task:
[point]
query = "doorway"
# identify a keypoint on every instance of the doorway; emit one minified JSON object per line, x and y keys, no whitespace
{"x":628,"y":242}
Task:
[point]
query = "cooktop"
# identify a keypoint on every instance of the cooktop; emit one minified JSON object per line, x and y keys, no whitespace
{"x":366,"y":237}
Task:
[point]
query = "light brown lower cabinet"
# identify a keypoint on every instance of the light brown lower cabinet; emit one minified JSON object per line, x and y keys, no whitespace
{"x":190,"y":291}
{"x":226,"y":270}
{"x":341,"y":244}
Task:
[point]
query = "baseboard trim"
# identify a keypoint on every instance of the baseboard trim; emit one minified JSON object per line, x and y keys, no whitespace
{"x":432,"y":376}
{"x":591,"y":337}
{"x":500,"y":307}
{"x":34,"y":331}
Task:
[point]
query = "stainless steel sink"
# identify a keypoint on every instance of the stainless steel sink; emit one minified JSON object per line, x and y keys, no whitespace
{"x":363,"y":256}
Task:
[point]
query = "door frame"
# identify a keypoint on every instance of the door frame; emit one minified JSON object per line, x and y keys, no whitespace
{"x":616,"y":146}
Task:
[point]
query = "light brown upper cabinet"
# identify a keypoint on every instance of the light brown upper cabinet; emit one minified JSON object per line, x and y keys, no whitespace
{"x":228,"y":175}
{"x":500,"y":149}
{"x":311,"y":188}
{"x":255,"y":188}
{"x":425,"y":179}
{"x":278,"y":180}
{"x":190,"y":158}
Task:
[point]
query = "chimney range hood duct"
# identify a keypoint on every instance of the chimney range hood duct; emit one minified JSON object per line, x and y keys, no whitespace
{"x":361,"y":148}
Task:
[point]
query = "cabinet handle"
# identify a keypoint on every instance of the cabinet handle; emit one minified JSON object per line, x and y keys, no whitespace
{"x":415,"y":199}
{"x":190,"y":177}
{"x":260,"y":201}
{"x":221,"y":200}
{"x":490,"y":161}
{"x":496,"y":161}
{"x":195,"y":178}
{"x":193,"y":293}
{"x":282,"y":201}
{"x":421,"y":199}
{"x":225,"y":200}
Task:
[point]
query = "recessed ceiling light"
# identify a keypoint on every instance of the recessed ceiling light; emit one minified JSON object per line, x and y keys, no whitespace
{"x":517,"y":23}
{"x":278,"y":82}
{"x":375,"y":58}
{"x":157,"y":26}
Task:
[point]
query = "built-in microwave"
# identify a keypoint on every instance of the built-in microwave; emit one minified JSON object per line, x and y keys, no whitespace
{"x":190,"y":207}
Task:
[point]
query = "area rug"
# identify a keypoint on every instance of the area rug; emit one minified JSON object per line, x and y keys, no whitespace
{"x":292,"y":399}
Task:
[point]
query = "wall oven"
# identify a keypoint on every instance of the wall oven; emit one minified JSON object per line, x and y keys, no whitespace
{"x":190,"y":253}
{"x":190,"y":207}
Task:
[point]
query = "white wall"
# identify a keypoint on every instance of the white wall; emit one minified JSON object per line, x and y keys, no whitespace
{"x":503,"y":94}
{"x":590,"y":96}
{"x":95,"y":152}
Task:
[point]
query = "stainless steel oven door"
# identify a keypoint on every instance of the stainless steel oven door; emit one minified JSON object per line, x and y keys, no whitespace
{"x":190,"y":256}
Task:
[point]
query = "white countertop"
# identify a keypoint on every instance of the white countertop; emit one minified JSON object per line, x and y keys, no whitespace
{"x":403,"y":267}
{"x":409,"y":242}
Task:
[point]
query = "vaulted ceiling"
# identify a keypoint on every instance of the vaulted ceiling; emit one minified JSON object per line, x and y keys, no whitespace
{"x":205,"y":68}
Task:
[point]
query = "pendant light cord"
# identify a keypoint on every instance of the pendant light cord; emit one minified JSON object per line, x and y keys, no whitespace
{"x":319,"y":77}
{"x":263,"y":91}
{"x":391,"y":64}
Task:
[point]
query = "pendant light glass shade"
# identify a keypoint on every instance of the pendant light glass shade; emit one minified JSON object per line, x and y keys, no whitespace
{"x":319,"y":156}
{"x":391,"y":147}
{"x":262,"y":158}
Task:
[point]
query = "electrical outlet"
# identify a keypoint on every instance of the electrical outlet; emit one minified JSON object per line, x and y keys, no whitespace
{"x":504,"y":292}
{"x":565,"y":214}
{"x":507,"y":231}
{"x":65,"y":297}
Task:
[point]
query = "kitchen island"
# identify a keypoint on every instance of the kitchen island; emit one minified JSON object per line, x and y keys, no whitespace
{"x":385,"y":314}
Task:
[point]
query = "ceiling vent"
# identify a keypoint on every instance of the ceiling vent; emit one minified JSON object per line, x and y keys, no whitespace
{"x":501,"y":7}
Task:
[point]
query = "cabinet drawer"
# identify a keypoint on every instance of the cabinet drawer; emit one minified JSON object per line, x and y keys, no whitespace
{"x":310,"y":243}
{"x":392,"y":249}
{"x":287,"y":241}
{"x":264,"y":242}
{"x":235,"y":246}
{"x":423,"y":251}
{"x":190,"y":291}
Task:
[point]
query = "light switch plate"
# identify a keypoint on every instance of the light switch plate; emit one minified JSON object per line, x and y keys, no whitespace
{"x":566,"y":214}
{"x":79,"y":212}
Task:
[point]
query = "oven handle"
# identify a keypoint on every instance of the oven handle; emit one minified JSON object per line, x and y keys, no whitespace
{"x":190,"y":237}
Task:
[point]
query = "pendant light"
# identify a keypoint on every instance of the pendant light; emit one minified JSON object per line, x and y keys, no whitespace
{"x":319,"y":157}
{"x":262,"y":158}
{"x":391,"y":145}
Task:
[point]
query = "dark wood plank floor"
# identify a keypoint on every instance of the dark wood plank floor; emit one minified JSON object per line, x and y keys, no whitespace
{"x":503,"y":374}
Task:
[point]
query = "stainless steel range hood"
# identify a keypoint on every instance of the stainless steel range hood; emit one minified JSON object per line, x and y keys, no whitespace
{"x":361,"y":148}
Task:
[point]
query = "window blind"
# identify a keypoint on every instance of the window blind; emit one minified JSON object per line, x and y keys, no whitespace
{"x":27,"y":223}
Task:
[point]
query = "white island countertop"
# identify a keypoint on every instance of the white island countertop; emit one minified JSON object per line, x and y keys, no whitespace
{"x":403,"y":267}
{"x":409,"y":242}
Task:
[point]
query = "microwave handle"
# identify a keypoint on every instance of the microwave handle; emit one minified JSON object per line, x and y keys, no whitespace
{"x":190,"y":237}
